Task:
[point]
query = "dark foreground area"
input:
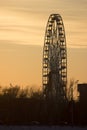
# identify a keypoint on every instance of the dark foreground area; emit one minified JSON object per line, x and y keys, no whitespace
{"x":18,"y":111}
{"x":41,"y":128}
{"x":38,"y":111}
{"x":20,"y":108}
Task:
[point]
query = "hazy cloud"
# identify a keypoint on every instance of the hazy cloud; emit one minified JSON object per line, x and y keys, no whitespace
{"x":27,"y":19}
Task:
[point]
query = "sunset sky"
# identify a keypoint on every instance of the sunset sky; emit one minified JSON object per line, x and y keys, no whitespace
{"x":22,"y":29}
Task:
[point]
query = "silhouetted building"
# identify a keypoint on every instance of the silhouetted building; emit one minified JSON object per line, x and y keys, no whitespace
{"x":82,"y":88}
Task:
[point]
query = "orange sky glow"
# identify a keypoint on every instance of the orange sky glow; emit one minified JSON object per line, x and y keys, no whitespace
{"x":22,"y":29}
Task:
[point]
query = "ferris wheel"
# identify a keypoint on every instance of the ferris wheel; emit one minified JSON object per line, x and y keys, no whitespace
{"x":54,"y":72}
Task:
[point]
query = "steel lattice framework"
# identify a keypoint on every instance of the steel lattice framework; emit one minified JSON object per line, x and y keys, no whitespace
{"x":55,"y":58}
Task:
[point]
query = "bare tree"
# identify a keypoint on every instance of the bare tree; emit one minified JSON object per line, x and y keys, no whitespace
{"x":72,"y":92}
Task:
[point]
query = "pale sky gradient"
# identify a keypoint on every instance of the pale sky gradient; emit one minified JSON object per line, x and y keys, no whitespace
{"x":23,"y":22}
